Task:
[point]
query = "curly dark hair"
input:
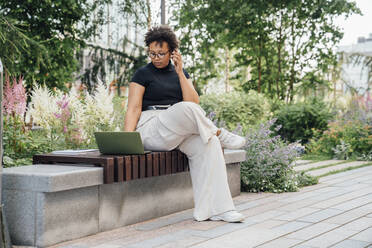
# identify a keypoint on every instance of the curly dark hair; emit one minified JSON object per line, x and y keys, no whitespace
{"x":160,"y":34}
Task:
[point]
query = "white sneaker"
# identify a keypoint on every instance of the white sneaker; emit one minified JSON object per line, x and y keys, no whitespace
{"x":230,"y":216}
{"x":229,"y":140}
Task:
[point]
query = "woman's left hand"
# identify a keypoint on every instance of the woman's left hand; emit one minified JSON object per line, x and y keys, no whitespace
{"x":177,"y":60}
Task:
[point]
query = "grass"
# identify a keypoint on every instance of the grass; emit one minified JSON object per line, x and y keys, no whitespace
{"x":345,"y":169}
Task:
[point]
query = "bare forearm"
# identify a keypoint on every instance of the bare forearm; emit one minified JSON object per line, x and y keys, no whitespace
{"x":188,"y":91}
{"x":131,"y":119}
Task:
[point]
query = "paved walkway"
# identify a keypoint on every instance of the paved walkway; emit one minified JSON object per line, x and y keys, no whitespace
{"x":335,"y":213}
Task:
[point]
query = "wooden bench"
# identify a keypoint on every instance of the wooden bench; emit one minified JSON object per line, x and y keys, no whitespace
{"x":118,"y":168}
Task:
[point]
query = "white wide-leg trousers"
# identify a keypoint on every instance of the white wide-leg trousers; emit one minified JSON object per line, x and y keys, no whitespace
{"x":184,"y":125}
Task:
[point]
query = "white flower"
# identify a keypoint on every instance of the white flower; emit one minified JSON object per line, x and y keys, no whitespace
{"x":43,"y":107}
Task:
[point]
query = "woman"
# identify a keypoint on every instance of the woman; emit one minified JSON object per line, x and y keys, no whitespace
{"x":163,"y":108}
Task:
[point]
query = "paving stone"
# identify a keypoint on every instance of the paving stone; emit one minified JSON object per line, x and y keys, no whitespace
{"x":297,"y":214}
{"x":268,"y":224}
{"x":263,"y":209}
{"x":350,"y":177}
{"x":360,"y":201}
{"x":303,"y":246}
{"x":359,"y":224}
{"x":183,"y":243}
{"x":292,"y":226}
{"x":330,"y":238}
{"x":160,"y":240}
{"x":367,"y":207}
{"x":317,"y":164}
{"x":348,"y":216}
{"x":344,"y":176}
{"x":365,"y":235}
{"x":224,"y":229}
{"x":265,"y":216}
{"x":108,"y":246}
{"x":320,"y":215}
{"x":244,"y":238}
{"x":349,"y":243}
{"x":312,"y":231}
{"x":280,"y":243}
{"x":247,"y":205}
{"x":161,"y":222}
{"x":358,"y":180}
{"x":298,"y":205}
{"x":300,"y":197}
{"x":342,"y":198}
{"x":75,"y":246}
{"x":336,"y":167}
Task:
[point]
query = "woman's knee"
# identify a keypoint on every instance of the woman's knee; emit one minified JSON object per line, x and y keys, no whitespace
{"x":187,"y":107}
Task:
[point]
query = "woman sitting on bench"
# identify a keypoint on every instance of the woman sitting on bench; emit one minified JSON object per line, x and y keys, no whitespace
{"x":163,"y":107}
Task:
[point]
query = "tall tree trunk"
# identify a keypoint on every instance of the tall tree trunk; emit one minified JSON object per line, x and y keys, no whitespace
{"x":227,"y":69}
{"x":148,"y":14}
{"x":292,"y":77}
{"x":279,"y":48}
{"x":163,"y":21}
{"x":259,"y":66}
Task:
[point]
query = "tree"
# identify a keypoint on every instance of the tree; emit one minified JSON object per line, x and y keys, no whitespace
{"x":278,"y":40}
{"x":60,"y":26}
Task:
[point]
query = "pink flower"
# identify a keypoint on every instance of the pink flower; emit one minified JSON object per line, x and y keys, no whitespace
{"x":14,"y":97}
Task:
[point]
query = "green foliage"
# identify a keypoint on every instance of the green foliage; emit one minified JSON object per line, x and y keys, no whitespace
{"x":299,"y":121}
{"x":59,"y":26}
{"x":20,"y":144}
{"x":268,"y":162}
{"x":236,"y":108}
{"x":345,"y":139}
{"x":274,"y":39}
{"x":305,"y":179}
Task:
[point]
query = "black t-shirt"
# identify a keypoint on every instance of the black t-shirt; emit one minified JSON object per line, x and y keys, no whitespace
{"x":162,"y":86}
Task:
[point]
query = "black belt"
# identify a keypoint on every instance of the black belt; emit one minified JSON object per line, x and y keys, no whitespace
{"x":156,"y":107}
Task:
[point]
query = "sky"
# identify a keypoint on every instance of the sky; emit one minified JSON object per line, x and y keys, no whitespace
{"x":357,"y":25}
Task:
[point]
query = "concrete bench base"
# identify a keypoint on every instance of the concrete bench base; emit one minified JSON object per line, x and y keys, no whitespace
{"x":48,"y":204}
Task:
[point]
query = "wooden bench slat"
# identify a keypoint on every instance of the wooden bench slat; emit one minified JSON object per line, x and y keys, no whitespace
{"x":155,"y":164}
{"x":179,"y":162}
{"x":128,"y":168}
{"x":142,"y":166}
{"x":149,"y":165}
{"x":168,"y":162}
{"x":135,"y":167}
{"x":108,"y":171}
{"x":174,"y":161}
{"x":119,"y":169}
{"x":162,"y":163}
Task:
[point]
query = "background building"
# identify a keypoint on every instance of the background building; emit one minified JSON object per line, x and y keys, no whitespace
{"x":355,"y":75}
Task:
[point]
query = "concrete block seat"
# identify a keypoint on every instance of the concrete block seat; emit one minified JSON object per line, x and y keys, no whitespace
{"x":48,"y":204}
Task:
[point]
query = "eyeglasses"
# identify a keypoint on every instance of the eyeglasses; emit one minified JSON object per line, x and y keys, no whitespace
{"x":159,"y":55}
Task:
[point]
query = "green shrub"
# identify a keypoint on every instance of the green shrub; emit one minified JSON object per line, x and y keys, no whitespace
{"x":268,"y":163}
{"x":232,"y":109}
{"x":343,"y":140}
{"x":300,"y":120}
